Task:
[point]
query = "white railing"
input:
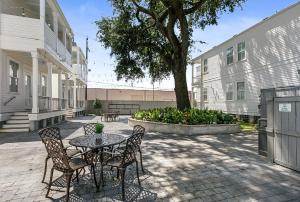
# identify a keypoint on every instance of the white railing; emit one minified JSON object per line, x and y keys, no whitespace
{"x":61,"y":50}
{"x":68,"y":58}
{"x":23,"y":27}
{"x":50,"y":38}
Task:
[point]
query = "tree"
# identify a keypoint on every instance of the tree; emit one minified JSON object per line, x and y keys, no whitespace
{"x":155,"y":37}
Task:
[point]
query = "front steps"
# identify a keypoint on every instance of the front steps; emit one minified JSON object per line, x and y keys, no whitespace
{"x":69,"y":113}
{"x":18,"y":122}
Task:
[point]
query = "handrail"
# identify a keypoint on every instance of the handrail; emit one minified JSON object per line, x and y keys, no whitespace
{"x":9,"y":100}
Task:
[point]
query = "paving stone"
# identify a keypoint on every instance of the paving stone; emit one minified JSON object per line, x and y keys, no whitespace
{"x":223,"y":167}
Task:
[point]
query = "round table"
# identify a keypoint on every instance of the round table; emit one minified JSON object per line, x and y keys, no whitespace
{"x":89,"y":141}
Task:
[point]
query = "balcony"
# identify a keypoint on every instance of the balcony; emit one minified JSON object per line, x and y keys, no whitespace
{"x":20,"y":33}
{"x":25,"y":34}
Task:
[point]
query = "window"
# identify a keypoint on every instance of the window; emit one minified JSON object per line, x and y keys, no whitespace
{"x":241,"y":51}
{"x":28,"y":85}
{"x":205,"y":96}
{"x":229,"y":55}
{"x":13,"y":74}
{"x":229,"y":91}
{"x":44,"y":86}
{"x":205,"y":66}
{"x":240,"y":90}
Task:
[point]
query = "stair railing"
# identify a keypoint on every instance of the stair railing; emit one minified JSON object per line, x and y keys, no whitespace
{"x":9,"y":100}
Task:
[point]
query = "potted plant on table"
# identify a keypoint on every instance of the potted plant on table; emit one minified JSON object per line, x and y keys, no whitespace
{"x":99,"y":130}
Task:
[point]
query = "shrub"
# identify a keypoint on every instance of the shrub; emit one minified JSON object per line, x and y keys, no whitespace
{"x":97,"y":104}
{"x":99,"y":127}
{"x":189,"y":117}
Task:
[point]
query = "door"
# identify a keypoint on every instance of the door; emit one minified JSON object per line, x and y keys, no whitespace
{"x":287,"y":132}
{"x":28,"y":94}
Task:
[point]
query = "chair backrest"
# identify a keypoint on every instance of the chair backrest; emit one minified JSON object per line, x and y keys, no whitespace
{"x":132,"y":145}
{"x":52,"y":132}
{"x":58,"y":154}
{"x":138,"y":129}
{"x":89,"y":128}
{"x":139,"y":132}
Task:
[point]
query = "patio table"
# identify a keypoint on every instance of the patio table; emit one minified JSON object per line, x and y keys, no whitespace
{"x":110,"y":115}
{"x":89,"y":141}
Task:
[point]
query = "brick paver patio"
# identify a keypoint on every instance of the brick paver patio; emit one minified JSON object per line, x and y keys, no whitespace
{"x":179,"y":168}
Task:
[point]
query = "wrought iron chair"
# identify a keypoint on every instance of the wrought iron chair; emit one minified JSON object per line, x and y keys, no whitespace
{"x":55,"y":134}
{"x":122,"y":160}
{"x":89,"y":128}
{"x":66,"y":165}
{"x":137,"y":129}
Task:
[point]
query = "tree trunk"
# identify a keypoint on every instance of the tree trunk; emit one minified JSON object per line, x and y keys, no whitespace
{"x":181,"y":89}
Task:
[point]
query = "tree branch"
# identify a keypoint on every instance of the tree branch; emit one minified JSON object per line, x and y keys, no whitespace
{"x":144,"y":10}
{"x":195,"y":6}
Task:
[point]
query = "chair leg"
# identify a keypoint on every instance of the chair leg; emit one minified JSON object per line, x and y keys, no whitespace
{"x":137,"y":172}
{"x":45,"y":169}
{"x":95,"y":179}
{"x":50,"y":182}
{"x":118,"y":173}
{"x":77,"y":176}
{"x":123,"y":183}
{"x":68,"y":179}
{"x":141,"y":159}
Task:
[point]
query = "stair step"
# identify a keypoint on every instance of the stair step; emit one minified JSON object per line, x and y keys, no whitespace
{"x":19,"y":118}
{"x":13,"y":130}
{"x":21,"y":114}
{"x":15,"y":126}
{"x":17,"y":121}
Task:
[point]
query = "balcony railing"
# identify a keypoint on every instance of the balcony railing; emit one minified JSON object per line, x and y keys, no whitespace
{"x":56,"y":104}
{"x":22,"y":27}
{"x":44,"y":103}
{"x":50,"y":38}
{"x":64,"y":103}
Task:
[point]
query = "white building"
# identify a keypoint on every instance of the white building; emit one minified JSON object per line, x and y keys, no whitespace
{"x":229,"y":77}
{"x":40,"y":83}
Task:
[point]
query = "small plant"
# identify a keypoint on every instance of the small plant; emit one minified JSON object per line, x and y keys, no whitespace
{"x":97,"y":105}
{"x":99,"y":128}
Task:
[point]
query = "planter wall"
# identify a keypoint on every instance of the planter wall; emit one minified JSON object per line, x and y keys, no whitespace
{"x":185,"y":129}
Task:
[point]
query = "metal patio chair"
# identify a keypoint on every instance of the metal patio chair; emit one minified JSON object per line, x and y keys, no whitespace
{"x":66,"y":165}
{"x":89,"y":128}
{"x":125,"y":158}
{"x":54,"y":133}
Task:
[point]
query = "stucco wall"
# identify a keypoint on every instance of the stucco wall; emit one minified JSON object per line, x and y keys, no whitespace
{"x":129,"y":95}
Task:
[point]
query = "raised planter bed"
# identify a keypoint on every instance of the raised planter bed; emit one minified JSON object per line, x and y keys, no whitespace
{"x":185,"y":129}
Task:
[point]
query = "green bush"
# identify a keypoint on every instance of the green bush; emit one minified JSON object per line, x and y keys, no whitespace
{"x":189,"y":117}
{"x":97,"y":104}
{"x":99,"y":127}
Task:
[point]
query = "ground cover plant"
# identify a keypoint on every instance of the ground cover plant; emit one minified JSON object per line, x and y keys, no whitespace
{"x":192,"y":116}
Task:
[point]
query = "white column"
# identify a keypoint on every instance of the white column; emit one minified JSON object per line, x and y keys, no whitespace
{"x":192,"y":90}
{"x":49,"y":84}
{"x":59,"y":88}
{"x":67,"y":89}
{"x":74,"y":92}
{"x":35,"y":82}
{"x":42,"y":17}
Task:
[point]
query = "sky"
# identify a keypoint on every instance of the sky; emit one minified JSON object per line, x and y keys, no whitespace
{"x":82,"y":14}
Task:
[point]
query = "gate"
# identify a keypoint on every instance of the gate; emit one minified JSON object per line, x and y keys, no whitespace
{"x":287,"y":131}
{"x":283,"y":117}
